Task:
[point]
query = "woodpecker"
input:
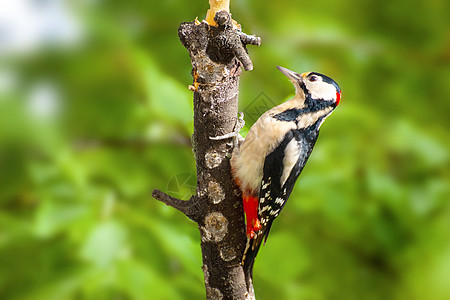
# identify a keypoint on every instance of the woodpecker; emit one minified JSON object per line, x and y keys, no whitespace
{"x":267,"y":163}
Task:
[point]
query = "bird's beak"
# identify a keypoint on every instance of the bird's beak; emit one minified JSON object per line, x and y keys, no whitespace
{"x":294,"y":77}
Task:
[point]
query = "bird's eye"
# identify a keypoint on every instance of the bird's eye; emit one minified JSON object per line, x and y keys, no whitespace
{"x":313,"y":78}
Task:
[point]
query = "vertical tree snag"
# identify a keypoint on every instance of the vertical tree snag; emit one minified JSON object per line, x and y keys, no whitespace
{"x":216,"y":52}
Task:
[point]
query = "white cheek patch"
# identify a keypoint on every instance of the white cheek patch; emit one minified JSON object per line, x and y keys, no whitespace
{"x":322,"y":90}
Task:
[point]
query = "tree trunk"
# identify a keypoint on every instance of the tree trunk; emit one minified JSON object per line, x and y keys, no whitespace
{"x":217,"y":53}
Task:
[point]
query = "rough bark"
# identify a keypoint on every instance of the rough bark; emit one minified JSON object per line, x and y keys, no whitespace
{"x":217,"y":53}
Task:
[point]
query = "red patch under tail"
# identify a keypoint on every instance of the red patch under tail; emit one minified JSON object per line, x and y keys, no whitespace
{"x":251,"y":214}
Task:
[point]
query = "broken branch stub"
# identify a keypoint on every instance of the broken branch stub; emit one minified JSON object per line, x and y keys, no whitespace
{"x":224,"y":41}
{"x":230,"y":42}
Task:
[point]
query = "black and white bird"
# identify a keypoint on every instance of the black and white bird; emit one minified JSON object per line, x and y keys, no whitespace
{"x":267,"y":163}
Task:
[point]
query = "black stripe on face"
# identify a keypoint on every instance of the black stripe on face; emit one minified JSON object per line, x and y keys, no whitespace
{"x":313,"y":105}
{"x":291,"y":115}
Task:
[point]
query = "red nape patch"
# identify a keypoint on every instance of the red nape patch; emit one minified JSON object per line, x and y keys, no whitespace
{"x":338,"y":98}
{"x":251,"y":214}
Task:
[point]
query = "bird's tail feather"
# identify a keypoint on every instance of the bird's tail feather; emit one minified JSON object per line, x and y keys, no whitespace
{"x":251,"y":251}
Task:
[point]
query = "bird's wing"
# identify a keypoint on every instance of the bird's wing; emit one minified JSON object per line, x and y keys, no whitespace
{"x":281,"y":170}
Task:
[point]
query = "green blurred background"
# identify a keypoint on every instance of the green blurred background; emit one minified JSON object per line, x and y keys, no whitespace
{"x":96,"y":113}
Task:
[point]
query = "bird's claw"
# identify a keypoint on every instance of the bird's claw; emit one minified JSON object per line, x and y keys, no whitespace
{"x":252,"y":229}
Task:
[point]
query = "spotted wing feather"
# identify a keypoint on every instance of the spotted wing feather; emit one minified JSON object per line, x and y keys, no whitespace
{"x":281,"y":172}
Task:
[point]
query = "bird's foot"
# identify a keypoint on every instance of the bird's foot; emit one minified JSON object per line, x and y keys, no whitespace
{"x":252,"y":228}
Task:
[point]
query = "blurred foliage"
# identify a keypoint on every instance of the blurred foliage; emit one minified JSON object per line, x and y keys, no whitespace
{"x":87,"y":132}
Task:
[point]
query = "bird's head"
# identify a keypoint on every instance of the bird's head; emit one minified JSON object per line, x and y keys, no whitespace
{"x":314,"y":85}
